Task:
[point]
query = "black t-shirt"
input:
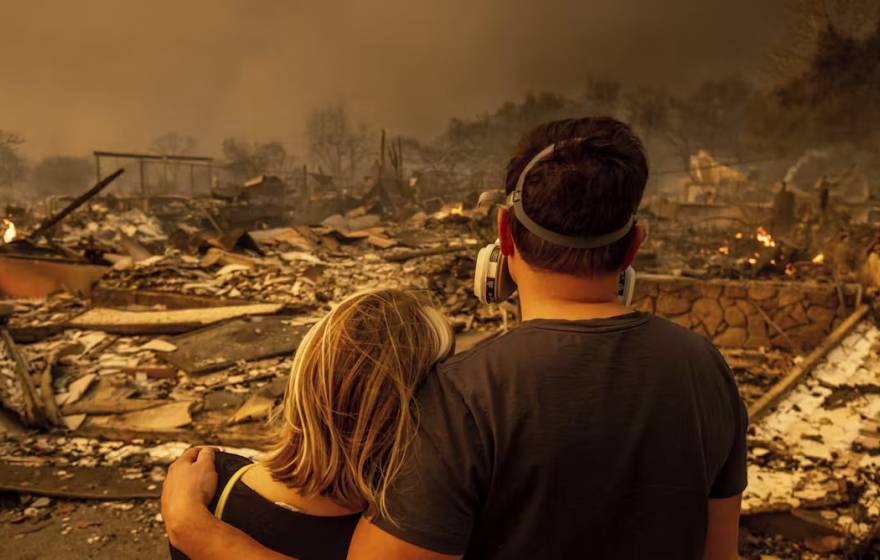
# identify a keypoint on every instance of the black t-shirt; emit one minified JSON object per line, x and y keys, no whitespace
{"x":292,"y":533}
{"x":573,"y":439}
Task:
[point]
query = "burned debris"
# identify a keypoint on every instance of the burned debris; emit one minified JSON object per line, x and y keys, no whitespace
{"x":135,"y":326}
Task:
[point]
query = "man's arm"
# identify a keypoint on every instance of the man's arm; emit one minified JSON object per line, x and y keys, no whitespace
{"x":372,"y":543}
{"x":188,"y":488}
{"x":431,"y":504}
{"x":722,"y":535}
{"x":725,"y":496}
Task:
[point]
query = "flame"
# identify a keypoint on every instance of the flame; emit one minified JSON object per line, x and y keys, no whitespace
{"x":753,"y":261}
{"x":724,"y":250}
{"x":8,"y":231}
{"x":790,"y":269}
{"x":739,"y":235}
{"x":764,"y":238}
{"x":819,"y":259}
{"x":457,"y":209}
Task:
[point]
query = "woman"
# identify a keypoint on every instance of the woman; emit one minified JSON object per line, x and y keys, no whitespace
{"x":343,"y":430}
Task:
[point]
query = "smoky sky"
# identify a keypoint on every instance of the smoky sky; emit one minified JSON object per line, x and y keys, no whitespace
{"x":114,"y":74}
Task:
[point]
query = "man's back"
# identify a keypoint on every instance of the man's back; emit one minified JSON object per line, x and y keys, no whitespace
{"x":565,"y":439}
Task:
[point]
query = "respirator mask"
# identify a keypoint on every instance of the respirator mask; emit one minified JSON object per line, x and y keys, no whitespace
{"x":492,"y":280}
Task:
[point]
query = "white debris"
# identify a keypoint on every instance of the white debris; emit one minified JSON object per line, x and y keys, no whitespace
{"x":159,"y":345}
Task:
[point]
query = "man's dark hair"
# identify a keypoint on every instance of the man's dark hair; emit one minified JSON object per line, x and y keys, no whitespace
{"x":590,"y":185}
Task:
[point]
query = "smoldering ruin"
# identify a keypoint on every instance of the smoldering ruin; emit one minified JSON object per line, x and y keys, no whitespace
{"x":153,"y":292}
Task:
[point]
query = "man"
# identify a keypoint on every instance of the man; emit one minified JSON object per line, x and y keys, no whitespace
{"x":590,"y":431}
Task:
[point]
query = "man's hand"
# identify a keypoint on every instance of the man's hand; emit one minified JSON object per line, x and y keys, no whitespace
{"x":188,"y":488}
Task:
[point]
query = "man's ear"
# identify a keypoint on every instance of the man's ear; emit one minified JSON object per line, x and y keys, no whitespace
{"x":634,"y":246}
{"x":504,"y":235}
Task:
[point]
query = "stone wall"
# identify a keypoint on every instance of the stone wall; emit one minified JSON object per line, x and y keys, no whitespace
{"x":735,"y":313}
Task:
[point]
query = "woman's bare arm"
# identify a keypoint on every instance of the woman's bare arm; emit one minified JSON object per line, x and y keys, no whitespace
{"x":204,"y":537}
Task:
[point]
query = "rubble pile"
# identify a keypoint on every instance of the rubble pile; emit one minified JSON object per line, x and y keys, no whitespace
{"x":814,"y":460}
{"x":188,"y":338}
{"x":130,"y":333}
{"x":834,"y":253}
{"x":726,"y":224}
{"x":127,"y":358}
{"x":110,"y":229}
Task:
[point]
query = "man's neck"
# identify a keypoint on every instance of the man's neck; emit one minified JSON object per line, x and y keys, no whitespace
{"x":570,"y":311}
{"x":558,"y":296}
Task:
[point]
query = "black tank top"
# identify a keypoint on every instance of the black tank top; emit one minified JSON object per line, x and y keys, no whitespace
{"x":292,"y":533}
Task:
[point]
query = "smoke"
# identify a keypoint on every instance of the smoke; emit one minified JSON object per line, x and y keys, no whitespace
{"x":807,"y":157}
{"x":114,"y":75}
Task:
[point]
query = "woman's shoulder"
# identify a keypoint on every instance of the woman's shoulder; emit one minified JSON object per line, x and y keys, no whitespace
{"x":226,"y":465}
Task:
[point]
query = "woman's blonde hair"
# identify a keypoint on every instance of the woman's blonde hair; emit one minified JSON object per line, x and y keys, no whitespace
{"x":347,"y":418}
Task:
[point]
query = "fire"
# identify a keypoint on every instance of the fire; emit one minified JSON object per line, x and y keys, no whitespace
{"x":790,"y":269}
{"x":819,"y":259}
{"x":739,"y":235}
{"x":724,"y":250}
{"x":764,"y":238}
{"x":8,"y":231}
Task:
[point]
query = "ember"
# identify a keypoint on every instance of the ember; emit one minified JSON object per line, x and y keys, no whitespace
{"x":8,"y":231}
{"x":764,"y":238}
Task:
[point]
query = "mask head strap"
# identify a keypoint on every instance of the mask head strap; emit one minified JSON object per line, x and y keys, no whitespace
{"x":515,"y":203}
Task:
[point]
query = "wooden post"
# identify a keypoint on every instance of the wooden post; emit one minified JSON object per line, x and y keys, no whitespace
{"x":400,"y":158}
{"x":34,"y":414}
{"x":381,"y":157}
{"x":307,"y":190}
{"x":351,"y":163}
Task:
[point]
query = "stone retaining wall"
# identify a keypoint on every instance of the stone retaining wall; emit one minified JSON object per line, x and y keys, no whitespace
{"x":729,"y":312}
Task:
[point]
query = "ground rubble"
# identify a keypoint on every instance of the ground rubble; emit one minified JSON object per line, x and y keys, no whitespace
{"x":195,"y":342}
{"x":813,"y":460}
{"x":188,"y":336}
{"x":188,"y":343}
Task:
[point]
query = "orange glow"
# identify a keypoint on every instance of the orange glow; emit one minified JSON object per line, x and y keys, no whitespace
{"x":8,"y":231}
{"x":764,"y":238}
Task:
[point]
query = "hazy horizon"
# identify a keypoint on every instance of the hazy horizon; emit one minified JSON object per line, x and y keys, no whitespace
{"x":113,"y":76}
